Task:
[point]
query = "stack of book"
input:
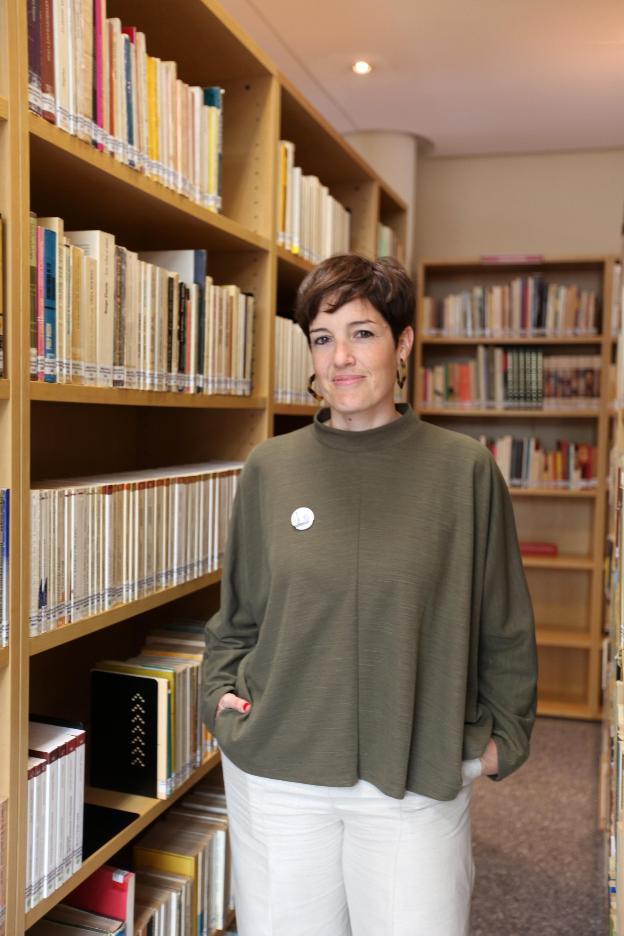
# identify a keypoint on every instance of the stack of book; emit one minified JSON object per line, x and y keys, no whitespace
{"x":311,"y":223}
{"x":388,"y":243}
{"x":527,"y":306}
{"x":101,"y":315}
{"x":150,"y":703}
{"x":56,"y":769}
{"x":293,"y":363}
{"x":4,"y":809}
{"x":4,"y":566}
{"x":64,"y":920}
{"x":104,"y":541}
{"x":191,"y":841}
{"x":93,"y":77}
{"x":503,"y":378}
{"x":526,"y":463}
{"x":104,"y":903}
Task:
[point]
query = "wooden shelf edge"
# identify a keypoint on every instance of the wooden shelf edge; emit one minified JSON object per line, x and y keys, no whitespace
{"x":5,"y":389}
{"x":4,"y":657}
{"x":563,"y":637}
{"x":295,"y":409}
{"x":556,"y":708}
{"x":103,"y":854}
{"x":4,"y":108}
{"x":61,"y":635}
{"x":297,"y":263}
{"x":563,"y":563}
{"x":105,"y":162}
{"x":554,"y":492}
{"x":500,"y":340}
{"x":509,"y":413}
{"x":121,"y":396}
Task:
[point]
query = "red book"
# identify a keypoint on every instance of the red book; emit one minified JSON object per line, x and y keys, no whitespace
{"x":110,"y":892}
{"x":538,"y":549}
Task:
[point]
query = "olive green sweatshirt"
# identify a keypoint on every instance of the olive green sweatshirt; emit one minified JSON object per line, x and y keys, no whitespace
{"x":385,"y":631}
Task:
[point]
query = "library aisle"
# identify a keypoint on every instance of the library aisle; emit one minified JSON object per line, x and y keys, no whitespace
{"x":538,"y":851}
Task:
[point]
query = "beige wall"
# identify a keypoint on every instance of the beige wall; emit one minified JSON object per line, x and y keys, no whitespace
{"x":553,"y":203}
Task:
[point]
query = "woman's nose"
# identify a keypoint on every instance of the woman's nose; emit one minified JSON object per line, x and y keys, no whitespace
{"x":343,"y":353}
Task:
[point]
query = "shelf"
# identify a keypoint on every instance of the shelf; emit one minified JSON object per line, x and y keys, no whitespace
{"x":291,"y":270}
{"x":562,"y":637}
{"x":4,"y":657}
{"x":560,"y":709}
{"x":148,"y":810}
{"x":564,"y":563}
{"x":5,"y":389}
{"x":96,"y":622}
{"x":553,"y":492}
{"x":139,"y":210}
{"x":295,"y":409}
{"x":4,"y":109}
{"x":119,"y":396}
{"x":510,"y":413}
{"x":501,"y":340}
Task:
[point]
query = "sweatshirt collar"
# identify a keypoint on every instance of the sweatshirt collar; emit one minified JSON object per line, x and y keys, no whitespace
{"x":368,"y":439}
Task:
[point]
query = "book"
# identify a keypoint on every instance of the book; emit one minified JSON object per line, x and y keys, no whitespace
{"x":74,"y":921}
{"x":109,"y":892}
{"x":311,"y":223}
{"x":293,"y":363}
{"x":538,"y":549}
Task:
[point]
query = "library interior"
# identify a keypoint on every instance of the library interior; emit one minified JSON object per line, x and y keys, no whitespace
{"x":170,"y":175}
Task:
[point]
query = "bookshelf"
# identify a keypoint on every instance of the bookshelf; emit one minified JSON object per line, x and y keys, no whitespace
{"x":566,"y":588}
{"x":50,"y":431}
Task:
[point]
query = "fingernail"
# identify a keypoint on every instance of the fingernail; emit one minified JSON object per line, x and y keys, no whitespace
{"x":245,"y":706}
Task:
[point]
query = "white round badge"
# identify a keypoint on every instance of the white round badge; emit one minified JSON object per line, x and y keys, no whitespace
{"x":302,"y":518}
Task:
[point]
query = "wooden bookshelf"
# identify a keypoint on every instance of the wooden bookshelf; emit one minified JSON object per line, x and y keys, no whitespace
{"x":107,"y":396}
{"x":566,"y":589}
{"x":295,"y":409}
{"x":50,"y":431}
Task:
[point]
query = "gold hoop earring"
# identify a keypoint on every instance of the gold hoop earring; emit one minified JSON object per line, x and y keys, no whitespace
{"x":401,"y":373}
{"x":312,"y":391}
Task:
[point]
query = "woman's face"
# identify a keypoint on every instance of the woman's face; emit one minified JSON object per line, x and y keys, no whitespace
{"x":355,"y":362}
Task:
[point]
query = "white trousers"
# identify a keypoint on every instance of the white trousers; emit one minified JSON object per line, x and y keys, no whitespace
{"x":348,"y":861}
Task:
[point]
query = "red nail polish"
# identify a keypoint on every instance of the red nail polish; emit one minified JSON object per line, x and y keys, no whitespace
{"x":245,"y":706}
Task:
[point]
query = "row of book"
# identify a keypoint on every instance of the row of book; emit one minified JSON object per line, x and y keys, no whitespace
{"x":293,"y":363}
{"x":92,"y":76}
{"x":102,"y":315}
{"x":147,"y":734}
{"x":389,"y":243}
{"x":103,"y":541}
{"x":505,"y":378}
{"x":4,"y":822}
{"x":525,"y":462}
{"x":311,"y":222}
{"x":56,"y":781}
{"x":526,"y":306}
{"x":4,"y":566}
{"x":180,"y":884}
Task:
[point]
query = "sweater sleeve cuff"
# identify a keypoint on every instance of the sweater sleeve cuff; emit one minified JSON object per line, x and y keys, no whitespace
{"x":508,"y":760}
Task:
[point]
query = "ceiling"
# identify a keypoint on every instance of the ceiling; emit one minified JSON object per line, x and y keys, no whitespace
{"x":467,"y":76}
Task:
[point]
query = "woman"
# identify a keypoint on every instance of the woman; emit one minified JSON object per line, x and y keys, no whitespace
{"x":374,"y":651}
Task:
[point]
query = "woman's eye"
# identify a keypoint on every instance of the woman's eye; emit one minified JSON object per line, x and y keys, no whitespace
{"x":363,"y":333}
{"x":321,"y":340}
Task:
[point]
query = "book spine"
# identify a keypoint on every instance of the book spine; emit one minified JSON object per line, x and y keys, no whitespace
{"x":49,"y":305}
{"x":47,"y":60}
{"x":34,"y":55}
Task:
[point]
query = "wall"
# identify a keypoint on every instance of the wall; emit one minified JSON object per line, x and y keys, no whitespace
{"x":552,"y":203}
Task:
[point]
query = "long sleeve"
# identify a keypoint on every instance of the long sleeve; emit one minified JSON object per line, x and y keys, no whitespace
{"x":232,"y":632}
{"x":507,"y":668}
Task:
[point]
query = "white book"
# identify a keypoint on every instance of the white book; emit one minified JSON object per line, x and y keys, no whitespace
{"x":101,"y":247}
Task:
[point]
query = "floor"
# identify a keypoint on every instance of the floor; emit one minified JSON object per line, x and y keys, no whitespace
{"x":538,"y":852}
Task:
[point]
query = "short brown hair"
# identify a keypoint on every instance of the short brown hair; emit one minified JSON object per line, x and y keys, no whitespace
{"x":345,"y":277}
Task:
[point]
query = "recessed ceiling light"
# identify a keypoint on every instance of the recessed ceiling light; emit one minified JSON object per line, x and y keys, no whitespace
{"x":362,"y":68}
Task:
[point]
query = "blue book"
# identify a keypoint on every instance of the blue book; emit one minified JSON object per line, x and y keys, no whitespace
{"x":49,"y":306}
{"x":128,"y":73}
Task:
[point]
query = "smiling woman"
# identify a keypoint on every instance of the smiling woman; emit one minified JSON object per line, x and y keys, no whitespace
{"x":354,"y":694}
